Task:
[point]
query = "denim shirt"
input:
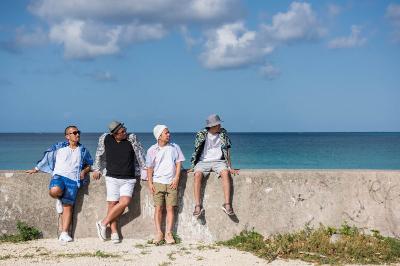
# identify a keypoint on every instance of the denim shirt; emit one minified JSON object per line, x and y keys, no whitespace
{"x":200,"y":140}
{"x":48,"y":161}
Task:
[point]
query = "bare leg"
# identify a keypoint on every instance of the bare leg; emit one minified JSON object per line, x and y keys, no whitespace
{"x":66,"y":217}
{"x":157,"y":218}
{"x":113,"y":224}
{"x":198,"y":176}
{"x":56,"y":193}
{"x":170,"y":218}
{"x":226,"y":185}
{"x":117,"y":210}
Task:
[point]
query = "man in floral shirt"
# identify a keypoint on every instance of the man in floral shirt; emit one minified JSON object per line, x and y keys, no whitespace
{"x":211,"y":153}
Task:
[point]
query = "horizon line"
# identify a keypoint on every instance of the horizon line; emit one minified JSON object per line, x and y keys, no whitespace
{"x":186,"y":132}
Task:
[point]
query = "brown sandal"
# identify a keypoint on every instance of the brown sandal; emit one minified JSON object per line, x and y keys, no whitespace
{"x":198,"y":210}
{"x":229,"y":210}
{"x":169,"y":238}
{"x":158,"y":238}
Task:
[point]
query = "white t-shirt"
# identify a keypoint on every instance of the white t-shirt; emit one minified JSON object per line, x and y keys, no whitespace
{"x":163,"y":161}
{"x":67,"y":162}
{"x":212,"y":148}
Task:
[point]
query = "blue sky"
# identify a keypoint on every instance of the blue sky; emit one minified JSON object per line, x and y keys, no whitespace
{"x":273,"y":66}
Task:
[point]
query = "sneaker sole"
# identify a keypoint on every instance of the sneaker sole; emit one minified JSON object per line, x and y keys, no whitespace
{"x":98,"y":227}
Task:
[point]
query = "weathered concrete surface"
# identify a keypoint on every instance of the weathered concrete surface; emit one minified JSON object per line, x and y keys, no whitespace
{"x":270,"y":201}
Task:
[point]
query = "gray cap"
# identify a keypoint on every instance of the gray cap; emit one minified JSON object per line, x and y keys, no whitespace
{"x":114,"y":126}
{"x":213,"y":120}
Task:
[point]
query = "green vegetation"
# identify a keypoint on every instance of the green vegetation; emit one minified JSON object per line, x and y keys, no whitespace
{"x":5,"y":257}
{"x":176,"y":237}
{"x":164,"y":263}
{"x":98,"y":254}
{"x":315,"y":245}
{"x":171,"y":255}
{"x":25,"y":233}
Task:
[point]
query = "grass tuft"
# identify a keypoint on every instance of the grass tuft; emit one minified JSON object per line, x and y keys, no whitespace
{"x":25,"y":233}
{"x":314,"y":245}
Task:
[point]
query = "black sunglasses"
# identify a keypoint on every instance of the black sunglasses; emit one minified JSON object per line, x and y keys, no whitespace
{"x":75,"y":132}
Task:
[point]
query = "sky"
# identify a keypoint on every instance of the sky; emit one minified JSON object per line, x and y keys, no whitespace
{"x":263,"y":66}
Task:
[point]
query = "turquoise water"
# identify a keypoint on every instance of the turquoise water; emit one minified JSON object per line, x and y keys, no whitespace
{"x":250,"y":150}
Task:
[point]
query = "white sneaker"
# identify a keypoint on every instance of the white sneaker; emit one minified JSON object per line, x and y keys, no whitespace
{"x":59,"y":206}
{"x":101,"y":230}
{"x":64,"y":237}
{"x":115,"y":238}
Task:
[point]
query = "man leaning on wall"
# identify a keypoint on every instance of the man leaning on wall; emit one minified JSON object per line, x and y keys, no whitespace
{"x":120,"y":158}
{"x":68,"y":162}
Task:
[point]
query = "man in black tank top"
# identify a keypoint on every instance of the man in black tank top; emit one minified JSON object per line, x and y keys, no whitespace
{"x":121,"y":155}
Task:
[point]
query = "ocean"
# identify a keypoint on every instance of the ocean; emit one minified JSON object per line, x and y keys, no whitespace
{"x":249,"y":150}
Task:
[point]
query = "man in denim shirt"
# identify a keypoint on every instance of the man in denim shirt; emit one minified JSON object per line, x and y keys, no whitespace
{"x":68,"y":162}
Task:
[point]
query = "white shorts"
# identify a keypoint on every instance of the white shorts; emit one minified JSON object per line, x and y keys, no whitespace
{"x":117,"y":188}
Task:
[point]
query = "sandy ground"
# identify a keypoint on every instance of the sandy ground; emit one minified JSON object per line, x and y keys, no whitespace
{"x":129,"y":252}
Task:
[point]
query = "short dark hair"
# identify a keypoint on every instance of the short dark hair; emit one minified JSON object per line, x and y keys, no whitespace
{"x":68,"y":127}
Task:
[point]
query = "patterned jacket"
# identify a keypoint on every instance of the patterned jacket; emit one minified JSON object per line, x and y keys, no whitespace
{"x":100,"y":163}
{"x":48,"y":161}
{"x":200,"y":140}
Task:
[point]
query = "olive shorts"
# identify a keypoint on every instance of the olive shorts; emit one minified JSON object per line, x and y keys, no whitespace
{"x":164,"y":195}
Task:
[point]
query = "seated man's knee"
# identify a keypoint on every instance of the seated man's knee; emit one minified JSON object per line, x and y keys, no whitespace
{"x":198,"y":175}
{"x":224,"y":173}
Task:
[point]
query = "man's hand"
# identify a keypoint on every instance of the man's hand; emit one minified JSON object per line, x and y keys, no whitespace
{"x":152,"y":189}
{"x":175,"y":183}
{"x":190,"y":170}
{"x":33,"y":171}
{"x":82,"y":174}
{"x":96,"y":175}
{"x":234,"y":171}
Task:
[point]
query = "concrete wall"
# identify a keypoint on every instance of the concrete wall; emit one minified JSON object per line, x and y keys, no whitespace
{"x":270,"y":201}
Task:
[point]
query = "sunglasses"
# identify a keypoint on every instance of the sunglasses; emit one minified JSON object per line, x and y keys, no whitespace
{"x":75,"y":133}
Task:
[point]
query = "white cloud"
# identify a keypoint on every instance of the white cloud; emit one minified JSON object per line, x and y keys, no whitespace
{"x":354,"y":40}
{"x":91,"y":28}
{"x":270,"y":72}
{"x":82,"y":40}
{"x":189,"y":40}
{"x":393,"y":14}
{"x":298,"y":24}
{"x":25,"y":38}
{"x":165,"y":11}
{"x":136,"y":32}
{"x":233,"y":45}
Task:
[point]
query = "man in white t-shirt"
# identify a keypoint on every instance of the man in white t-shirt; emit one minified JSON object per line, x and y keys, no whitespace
{"x":211,"y":153}
{"x":68,"y":162}
{"x":164,"y":161}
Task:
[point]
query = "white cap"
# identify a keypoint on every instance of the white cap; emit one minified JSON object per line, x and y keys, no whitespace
{"x":158,"y":129}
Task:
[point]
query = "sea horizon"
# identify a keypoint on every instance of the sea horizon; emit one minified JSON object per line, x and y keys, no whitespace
{"x":250,"y":150}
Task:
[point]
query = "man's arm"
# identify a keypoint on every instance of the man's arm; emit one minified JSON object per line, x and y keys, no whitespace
{"x":175,"y":181}
{"x":32,"y":171}
{"x":231,"y":170}
{"x":150,"y":172}
{"x":84,"y":171}
{"x":99,"y":153}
